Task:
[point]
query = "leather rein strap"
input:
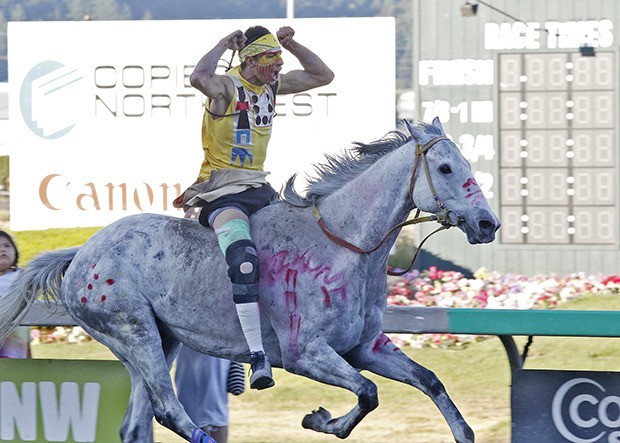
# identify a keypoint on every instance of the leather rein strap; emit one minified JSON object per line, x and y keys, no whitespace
{"x":342,"y":242}
{"x":444,"y":218}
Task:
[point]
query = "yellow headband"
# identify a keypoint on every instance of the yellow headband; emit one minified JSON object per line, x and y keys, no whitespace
{"x":266,"y":43}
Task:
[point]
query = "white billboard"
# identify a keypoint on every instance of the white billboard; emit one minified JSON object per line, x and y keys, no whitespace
{"x":104,"y":123}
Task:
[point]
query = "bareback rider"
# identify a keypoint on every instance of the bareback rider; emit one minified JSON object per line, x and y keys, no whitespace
{"x":236,"y":129}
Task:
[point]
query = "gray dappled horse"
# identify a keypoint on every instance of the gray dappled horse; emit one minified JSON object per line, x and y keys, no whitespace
{"x":147,"y":283}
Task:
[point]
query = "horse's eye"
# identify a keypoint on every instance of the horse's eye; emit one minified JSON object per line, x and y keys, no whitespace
{"x":445,"y":169}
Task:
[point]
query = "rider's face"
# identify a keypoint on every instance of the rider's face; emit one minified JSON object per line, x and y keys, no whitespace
{"x":267,"y":66}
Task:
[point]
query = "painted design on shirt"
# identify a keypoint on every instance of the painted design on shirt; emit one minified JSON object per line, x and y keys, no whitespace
{"x":250,"y":110}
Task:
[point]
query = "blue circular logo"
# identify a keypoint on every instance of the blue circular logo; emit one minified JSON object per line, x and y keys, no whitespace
{"x":50,"y":99}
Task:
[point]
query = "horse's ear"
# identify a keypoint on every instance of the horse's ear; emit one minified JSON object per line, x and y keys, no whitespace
{"x":415,"y":132}
{"x":437,"y":124}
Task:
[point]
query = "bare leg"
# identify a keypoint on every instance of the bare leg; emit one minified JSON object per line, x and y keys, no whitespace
{"x":383,"y":358}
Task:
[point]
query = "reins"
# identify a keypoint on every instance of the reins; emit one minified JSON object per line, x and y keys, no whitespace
{"x":354,"y":248}
{"x":446,"y":218}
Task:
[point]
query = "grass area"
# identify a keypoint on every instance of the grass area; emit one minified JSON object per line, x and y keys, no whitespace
{"x":477,"y":378}
{"x":32,"y":243}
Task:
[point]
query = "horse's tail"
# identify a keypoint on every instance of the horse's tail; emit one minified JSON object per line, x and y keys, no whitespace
{"x":41,"y":277}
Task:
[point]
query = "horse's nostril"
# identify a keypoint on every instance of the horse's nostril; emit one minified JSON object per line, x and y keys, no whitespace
{"x":486,"y":226}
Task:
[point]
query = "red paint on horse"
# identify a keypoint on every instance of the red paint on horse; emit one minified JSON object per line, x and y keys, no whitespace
{"x":472,"y":187}
{"x":327,"y":300}
{"x":381,"y":343}
{"x":327,"y":294}
{"x":471,"y":182}
{"x":342,"y":291}
{"x":290,"y":295}
{"x":293,"y":340}
{"x":281,"y":262}
{"x":291,"y":277}
{"x":290,"y":292}
{"x":284,"y":270}
{"x":289,"y":267}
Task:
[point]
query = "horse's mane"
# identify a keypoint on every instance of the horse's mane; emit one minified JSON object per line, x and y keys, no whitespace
{"x":337,"y":170}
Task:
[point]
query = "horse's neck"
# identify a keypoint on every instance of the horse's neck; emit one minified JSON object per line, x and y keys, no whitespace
{"x":366,"y":208}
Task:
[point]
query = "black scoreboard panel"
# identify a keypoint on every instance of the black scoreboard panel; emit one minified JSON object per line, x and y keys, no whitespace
{"x":557,"y":148}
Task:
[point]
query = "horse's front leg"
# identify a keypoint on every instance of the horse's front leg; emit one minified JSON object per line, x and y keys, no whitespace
{"x":384,"y":358}
{"x":320,"y":362}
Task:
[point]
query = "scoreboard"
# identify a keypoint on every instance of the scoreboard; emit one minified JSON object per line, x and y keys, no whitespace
{"x":529,"y":93}
{"x":557,"y":142}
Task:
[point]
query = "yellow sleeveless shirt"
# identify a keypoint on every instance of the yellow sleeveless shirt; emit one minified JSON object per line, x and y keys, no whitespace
{"x":239,"y":139}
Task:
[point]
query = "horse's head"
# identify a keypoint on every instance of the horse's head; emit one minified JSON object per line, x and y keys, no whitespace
{"x":443,"y":184}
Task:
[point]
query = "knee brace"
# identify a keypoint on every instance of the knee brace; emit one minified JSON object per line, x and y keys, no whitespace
{"x":231,"y":232}
{"x":243,"y":270}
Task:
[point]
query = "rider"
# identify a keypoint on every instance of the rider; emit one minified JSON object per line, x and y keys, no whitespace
{"x":235,"y":132}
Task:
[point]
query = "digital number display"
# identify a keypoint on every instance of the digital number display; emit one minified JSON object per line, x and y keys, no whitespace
{"x":557,"y":148}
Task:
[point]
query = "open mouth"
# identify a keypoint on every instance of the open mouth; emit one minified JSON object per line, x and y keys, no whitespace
{"x":275,"y":74}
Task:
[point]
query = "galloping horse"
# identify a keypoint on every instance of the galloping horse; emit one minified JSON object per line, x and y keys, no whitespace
{"x":147,"y":283}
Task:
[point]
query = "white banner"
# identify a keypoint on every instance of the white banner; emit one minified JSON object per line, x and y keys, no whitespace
{"x":104,"y":123}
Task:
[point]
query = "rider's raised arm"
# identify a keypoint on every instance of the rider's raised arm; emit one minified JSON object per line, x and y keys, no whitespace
{"x":315,"y":72}
{"x":216,"y":87}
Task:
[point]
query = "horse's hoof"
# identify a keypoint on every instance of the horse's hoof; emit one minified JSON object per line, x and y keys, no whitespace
{"x":316,"y":418}
{"x":468,"y":436}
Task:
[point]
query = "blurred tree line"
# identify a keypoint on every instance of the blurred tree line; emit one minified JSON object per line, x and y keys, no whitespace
{"x":68,"y":10}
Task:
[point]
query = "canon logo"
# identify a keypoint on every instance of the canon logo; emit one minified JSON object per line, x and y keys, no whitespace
{"x":57,"y":192}
{"x":604,"y":412}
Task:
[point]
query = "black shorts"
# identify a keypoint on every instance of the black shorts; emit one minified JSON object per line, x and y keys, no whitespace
{"x":249,"y":201}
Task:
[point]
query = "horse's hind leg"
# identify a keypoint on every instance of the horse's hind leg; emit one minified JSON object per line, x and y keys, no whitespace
{"x":142,"y":348}
{"x":320,"y":362}
{"x":383,"y":358}
{"x":138,"y":422}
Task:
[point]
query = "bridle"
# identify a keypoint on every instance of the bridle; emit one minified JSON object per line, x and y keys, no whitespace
{"x":446,"y":218}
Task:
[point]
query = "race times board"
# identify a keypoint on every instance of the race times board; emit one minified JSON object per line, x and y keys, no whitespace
{"x":557,"y":148}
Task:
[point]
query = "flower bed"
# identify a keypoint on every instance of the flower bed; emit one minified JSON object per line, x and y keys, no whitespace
{"x":446,"y":289}
{"x":59,"y":334}
{"x":487,"y":290}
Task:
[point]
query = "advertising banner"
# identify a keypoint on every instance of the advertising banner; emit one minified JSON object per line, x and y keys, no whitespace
{"x":104,"y":122}
{"x":69,"y":401}
{"x":565,"y":406}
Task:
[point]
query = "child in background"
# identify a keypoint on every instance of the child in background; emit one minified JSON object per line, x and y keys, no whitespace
{"x":17,"y":345}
